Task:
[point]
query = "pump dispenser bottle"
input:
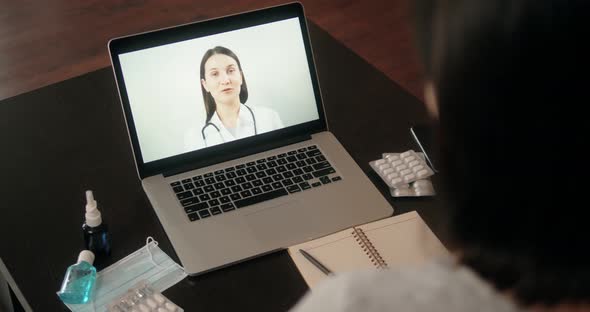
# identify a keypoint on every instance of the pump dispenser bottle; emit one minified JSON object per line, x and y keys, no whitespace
{"x":96,"y":234}
{"x":78,"y":283}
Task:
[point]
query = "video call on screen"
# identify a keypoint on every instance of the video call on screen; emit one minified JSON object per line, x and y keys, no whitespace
{"x":211,"y":90}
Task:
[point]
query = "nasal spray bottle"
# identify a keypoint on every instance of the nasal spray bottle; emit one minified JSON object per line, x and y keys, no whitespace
{"x":96,"y":234}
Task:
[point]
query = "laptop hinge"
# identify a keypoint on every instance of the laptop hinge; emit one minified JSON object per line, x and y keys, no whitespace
{"x":235,"y":155}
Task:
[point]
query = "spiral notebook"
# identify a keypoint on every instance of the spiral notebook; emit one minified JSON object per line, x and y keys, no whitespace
{"x":403,"y":240}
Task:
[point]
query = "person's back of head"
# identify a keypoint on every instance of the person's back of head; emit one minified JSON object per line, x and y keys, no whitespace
{"x":510,"y":81}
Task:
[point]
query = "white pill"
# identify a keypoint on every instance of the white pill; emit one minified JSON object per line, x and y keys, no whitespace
{"x":401,"y":167}
{"x":422,"y":183}
{"x":170,"y":306}
{"x":159,"y":298}
{"x":143,"y":308}
{"x":414,"y":163}
{"x":162,"y":310}
{"x":151,"y":303}
{"x":379,"y":162}
{"x":417,"y":168}
{"x":403,"y":186}
{"x":391,"y":158}
{"x":383,"y":167}
{"x":422,"y":174}
{"x":397,"y":181}
{"x":406,"y":154}
{"x":426,"y":190}
{"x":388,"y":171}
{"x":409,"y":178}
{"x":410,"y":159}
{"x":397,"y":163}
{"x":402,"y":192}
{"x":405,"y":172}
{"x":392,"y":176}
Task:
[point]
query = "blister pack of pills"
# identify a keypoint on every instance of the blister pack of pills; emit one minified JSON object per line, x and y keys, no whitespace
{"x":415,"y":189}
{"x":143,"y":298}
{"x":406,"y":174}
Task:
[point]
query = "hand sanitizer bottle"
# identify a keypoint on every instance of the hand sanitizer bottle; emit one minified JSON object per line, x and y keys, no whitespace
{"x":96,"y":234}
{"x":78,"y":283}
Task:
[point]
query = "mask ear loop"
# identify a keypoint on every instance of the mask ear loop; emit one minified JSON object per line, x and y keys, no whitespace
{"x":148,"y":240}
{"x":147,"y":246}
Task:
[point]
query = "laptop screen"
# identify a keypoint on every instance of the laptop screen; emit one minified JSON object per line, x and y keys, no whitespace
{"x":216,"y":89}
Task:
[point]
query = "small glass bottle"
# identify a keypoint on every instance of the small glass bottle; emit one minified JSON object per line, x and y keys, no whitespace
{"x":78,"y":283}
{"x":96,"y":233}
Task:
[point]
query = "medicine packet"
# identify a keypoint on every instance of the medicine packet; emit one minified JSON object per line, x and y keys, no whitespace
{"x":143,"y":298}
{"x":405,"y":182}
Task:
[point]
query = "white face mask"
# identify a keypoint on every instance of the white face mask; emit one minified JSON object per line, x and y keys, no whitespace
{"x":149,"y":264}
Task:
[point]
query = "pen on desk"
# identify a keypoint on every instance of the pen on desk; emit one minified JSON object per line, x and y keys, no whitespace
{"x":315,"y":262}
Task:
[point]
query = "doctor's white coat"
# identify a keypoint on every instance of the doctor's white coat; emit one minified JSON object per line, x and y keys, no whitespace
{"x":266,"y":120}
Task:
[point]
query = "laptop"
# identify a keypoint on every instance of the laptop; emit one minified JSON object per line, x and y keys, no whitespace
{"x":230,"y":138}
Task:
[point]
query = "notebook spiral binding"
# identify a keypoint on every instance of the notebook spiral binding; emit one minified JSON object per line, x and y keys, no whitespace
{"x":368,"y":248}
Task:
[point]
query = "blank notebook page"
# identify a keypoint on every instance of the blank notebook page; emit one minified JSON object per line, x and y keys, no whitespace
{"x":339,"y":252}
{"x":403,"y":240}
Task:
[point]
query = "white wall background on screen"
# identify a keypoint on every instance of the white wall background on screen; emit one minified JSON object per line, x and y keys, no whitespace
{"x":164,"y":89}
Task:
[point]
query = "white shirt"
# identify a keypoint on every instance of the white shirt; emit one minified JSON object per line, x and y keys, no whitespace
{"x":264,"y":119}
{"x":433,"y":287}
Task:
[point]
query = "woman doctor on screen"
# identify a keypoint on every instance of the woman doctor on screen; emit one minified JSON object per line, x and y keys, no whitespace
{"x":225,"y":94}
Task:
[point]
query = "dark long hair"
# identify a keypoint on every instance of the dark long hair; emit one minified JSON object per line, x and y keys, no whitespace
{"x":510,"y":76}
{"x":210,"y":105}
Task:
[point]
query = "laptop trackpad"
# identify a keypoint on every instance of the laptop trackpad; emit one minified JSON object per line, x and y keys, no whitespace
{"x":282,"y":225}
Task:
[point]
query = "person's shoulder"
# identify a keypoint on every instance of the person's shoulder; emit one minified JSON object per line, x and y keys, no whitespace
{"x":432,"y":287}
{"x":268,"y":118}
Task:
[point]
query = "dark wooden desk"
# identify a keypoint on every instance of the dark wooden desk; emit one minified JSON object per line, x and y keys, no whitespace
{"x":68,"y":137}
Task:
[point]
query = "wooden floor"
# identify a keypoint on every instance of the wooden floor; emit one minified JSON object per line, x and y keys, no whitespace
{"x":43,"y":42}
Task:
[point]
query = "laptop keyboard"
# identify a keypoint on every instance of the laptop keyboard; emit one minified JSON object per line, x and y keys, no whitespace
{"x":236,"y":187}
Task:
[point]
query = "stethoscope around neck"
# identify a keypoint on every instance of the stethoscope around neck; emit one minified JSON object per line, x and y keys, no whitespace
{"x":219,"y":131}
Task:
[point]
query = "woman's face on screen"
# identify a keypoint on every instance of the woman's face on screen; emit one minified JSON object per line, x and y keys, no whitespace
{"x":222,"y":78}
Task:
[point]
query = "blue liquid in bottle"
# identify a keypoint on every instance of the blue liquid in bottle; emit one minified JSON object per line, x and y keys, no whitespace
{"x":78,"y":284}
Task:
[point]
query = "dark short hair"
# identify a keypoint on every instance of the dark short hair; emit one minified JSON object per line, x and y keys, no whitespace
{"x":510,"y":78}
{"x":210,"y":106}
